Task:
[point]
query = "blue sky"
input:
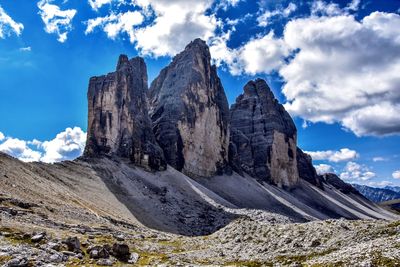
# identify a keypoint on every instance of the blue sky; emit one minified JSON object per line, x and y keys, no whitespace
{"x":335,"y":65}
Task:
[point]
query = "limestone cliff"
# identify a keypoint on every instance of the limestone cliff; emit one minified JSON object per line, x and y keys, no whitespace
{"x":306,"y":169}
{"x":118,"y":122}
{"x":190,"y":113}
{"x":263,"y":136}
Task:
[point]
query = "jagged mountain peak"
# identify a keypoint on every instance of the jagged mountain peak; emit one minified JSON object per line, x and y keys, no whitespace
{"x":263,"y":136}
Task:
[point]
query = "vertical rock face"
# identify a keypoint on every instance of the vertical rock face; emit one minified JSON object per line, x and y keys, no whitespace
{"x":306,"y":169}
{"x":118,"y":121}
{"x":190,"y":113}
{"x":263,"y":136}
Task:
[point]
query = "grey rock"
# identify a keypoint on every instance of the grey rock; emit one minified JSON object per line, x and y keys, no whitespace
{"x":18,"y":262}
{"x":335,"y":181}
{"x":306,"y":169}
{"x":121,"y":251}
{"x":118,"y":122}
{"x":38,"y":237}
{"x":190,"y":113}
{"x":73,"y":244}
{"x":263,"y":136}
{"x":105,"y":262}
{"x":134,"y":257}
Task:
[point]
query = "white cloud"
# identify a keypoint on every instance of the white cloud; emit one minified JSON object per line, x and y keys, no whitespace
{"x":356,"y":172}
{"x":324,"y":168}
{"x":67,"y":145}
{"x":259,"y":55}
{"x":8,"y":25}
{"x":376,"y":159}
{"x":2,"y":136}
{"x":56,"y":20}
{"x":328,"y":9}
{"x":96,"y":4}
{"x":379,"y":184}
{"x":264,"y":19}
{"x":341,"y":73}
{"x":25,"y":49}
{"x":396,"y":174}
{"x":19,"y":149}
{"x":115,"y":24}
{"x":344,"y":154}
{"x":332,"y":9}
{"x":177,"y":23}
{"x":172,"y":24}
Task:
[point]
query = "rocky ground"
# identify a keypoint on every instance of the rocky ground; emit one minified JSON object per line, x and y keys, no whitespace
{"x":29,"y":238}
{"x":65,"y":215}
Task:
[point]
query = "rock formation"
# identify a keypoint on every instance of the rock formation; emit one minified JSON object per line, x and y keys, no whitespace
{"x":335,"y":181}
{"x":118,"y":122}
{"x":190,"y":113}
{"x":263,"y":136}
{"x":306,"y":169}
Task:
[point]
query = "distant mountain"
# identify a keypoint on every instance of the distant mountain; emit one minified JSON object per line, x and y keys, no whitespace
{"x":393,"y":188}
{"x":377,"y":194}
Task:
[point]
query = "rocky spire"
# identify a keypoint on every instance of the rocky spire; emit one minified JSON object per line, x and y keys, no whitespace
{"x":118,"y":122}
{"x":190,"y":113}
{"x":263,"y":136}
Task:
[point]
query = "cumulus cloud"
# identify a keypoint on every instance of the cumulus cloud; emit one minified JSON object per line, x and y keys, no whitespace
{"x":1,"y":136}
{"x":396,"y":174}
{"x":115,"y":24}
{"x":67,"y":145}
{"x":324,"y":168}
{"x":356,"y":172}
{"x":177,"y":23}
{"x":19,"y":149}
{"x":8,"y":25}
{"x":345,"y":71}
{"x":264,"y":19}
{"x":344,"y":154}
{"x":56,"y":21}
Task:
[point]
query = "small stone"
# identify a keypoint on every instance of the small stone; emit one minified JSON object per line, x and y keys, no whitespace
{"x":120,"y":237}
{"x":18,"y":262}
{"x":315,"y":243}
{"x":73,"y":243}
{"x":133,"y":258}
{"x":38,"y":237}
{"x":105,"y":262}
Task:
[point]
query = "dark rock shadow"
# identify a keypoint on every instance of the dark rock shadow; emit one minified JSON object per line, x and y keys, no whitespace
{"x":162,"y":200}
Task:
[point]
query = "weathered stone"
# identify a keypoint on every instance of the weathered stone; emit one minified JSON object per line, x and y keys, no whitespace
{"x":190,"y":113}
{"x":335,"y":181}
{"x":306,"y":169}
{"x":105,"y":262}
{"x":121,"y":251}
{"x":118,"y":121}
{"x":73,"y":244}
{"x":38,"y":237}
{"x":263,"y":136}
